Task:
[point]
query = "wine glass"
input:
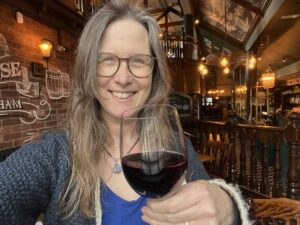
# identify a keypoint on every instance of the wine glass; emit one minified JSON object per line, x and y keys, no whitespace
{"x":153,"y":149}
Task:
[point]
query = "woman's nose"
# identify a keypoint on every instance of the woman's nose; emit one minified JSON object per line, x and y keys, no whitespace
{"x":123,"y":75}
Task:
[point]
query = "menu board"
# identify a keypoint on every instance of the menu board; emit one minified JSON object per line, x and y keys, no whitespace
{"x":182,"y":102}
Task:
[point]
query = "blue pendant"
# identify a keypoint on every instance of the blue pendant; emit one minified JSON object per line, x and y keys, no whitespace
{"x":117,"y":168}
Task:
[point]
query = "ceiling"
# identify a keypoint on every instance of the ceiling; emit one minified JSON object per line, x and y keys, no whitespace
{"x":283,"y":32}
{"x":169,"y":14}
{"x":230,"y":17}
{"x":268,"y":28}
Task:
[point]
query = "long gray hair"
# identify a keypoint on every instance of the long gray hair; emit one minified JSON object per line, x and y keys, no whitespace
{"x":89,"y":135}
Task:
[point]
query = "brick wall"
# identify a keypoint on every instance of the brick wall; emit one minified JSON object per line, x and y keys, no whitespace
{"x":22,"y":41}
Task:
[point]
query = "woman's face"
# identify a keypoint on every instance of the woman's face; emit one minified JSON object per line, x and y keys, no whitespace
{"x":124,"y":38}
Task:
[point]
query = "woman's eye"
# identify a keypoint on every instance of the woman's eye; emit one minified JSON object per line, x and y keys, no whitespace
{"x":107,"y":60}
{"x":137,"y":60}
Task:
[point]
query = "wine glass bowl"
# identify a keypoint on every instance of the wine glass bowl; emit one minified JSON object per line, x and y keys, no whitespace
{"x":153,"y":151}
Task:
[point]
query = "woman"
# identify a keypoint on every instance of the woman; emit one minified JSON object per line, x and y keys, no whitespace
{"x":73,"y":177}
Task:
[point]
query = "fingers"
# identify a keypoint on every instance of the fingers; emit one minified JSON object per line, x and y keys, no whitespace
{"x":154,"y":222}
{"x":185,"y":197}
{"x":197,"y":202}
{"x":189,"y":203}
{"x":189,"y":214}
{"x":206,"y":221}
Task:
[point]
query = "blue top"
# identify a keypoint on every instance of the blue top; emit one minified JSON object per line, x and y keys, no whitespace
{"x":117,"y":211}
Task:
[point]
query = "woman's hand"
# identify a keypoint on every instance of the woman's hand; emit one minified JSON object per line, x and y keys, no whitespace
{"x":197,"y":203}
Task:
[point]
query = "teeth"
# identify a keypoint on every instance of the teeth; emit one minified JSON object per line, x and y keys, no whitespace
{"x":122,"y":94}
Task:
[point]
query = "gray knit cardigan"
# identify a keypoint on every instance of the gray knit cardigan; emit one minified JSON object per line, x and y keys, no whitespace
{"x":32,"y":177}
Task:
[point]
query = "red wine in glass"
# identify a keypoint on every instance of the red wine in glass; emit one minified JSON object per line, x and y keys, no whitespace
{"x":153,"y":178}
{"x":153,"y":150}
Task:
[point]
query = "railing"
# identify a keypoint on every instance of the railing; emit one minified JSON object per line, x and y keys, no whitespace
{"x":263,"y":159}
{"x":180,"y":49}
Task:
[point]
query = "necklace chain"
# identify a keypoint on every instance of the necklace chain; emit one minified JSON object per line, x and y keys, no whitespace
{"x":117,"y":167}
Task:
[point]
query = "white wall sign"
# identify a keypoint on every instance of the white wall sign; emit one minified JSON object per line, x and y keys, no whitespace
{"x":57,"y":83}
{"x":10,"y":104}
{"x":28,"y":112}
{"x":4,"y":51}
{"x":24,"y":107}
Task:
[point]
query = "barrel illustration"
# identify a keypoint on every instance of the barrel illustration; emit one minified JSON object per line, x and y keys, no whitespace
{"x":57,"y":84}
{"x":4,"y":51}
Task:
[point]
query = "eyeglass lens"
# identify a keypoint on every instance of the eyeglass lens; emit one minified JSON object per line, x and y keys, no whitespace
{"x":138,"y":65}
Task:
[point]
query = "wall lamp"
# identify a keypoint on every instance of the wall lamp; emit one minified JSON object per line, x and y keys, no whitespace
{"x":46,"y":48}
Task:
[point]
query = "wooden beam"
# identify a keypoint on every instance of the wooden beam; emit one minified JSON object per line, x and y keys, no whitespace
{"x":156,"y":11}
{"x":172,"y":24}
{"x":145,"y":4}
{"x":51,"y":13}
{"x":161,"y":10}
{"x":194,"y":7}
{"x":173,"y":4}
{"x":64,"y":11}
{"x":164,"y":14}
{"x":249,"y":6}
{"x":167,"y":11}
{"x":180,"y":6}
{"x":176,"y":12}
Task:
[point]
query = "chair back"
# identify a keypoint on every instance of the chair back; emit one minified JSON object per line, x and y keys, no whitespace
{"x":282,"y":211}
{"x":219,"y":166}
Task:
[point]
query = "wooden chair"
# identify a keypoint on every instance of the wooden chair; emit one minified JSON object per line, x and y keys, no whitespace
{"x":220,"y":151}
{"x":275,"y":211}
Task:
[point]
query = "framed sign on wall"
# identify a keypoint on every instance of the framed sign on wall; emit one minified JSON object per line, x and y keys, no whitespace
{"x":182,"y":102}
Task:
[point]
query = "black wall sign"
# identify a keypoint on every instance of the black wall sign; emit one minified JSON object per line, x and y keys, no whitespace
{"x":182,"y":102}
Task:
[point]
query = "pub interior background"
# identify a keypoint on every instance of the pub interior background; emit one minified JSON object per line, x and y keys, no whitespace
{"x":236,"y":84}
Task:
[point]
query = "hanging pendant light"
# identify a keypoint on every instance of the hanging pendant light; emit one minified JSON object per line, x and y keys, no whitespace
{"x":205,"y":71}
{"x":226,"y":70}
{"x":268,"y":79}
{"x":201,"y":67}
{"x":251,"y":66}
{"x":224,"y":61}
{"x":252,"y":61}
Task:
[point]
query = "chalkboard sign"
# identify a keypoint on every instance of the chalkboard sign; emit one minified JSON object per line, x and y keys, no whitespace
{"x":182,"y":102}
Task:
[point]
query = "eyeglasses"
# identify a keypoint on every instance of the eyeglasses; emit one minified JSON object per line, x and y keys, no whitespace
{"x":139,"y":66}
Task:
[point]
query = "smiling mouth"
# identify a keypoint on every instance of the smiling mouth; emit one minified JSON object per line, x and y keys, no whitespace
{"x":122,"y":95}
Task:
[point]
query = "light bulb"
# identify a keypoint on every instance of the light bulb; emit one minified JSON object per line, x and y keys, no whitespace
{"x":226,"y":70}
{"x":224,"y":62}
{"x":201,"y":67}
{"x":251,"y":65}
{"x":45,"y":47}
{"x":252,"y":59}
{"x":205,"y":71}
